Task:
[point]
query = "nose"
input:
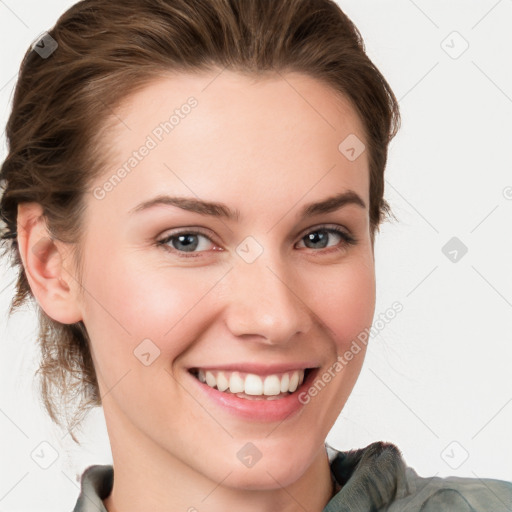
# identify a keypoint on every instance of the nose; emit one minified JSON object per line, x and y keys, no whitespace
{"x":266,"y":302}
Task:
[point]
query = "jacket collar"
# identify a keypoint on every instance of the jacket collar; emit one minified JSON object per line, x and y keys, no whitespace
{"x":369,"y":478}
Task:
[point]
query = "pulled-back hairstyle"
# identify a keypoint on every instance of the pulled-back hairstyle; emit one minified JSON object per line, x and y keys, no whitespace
{"x":63,"y":104}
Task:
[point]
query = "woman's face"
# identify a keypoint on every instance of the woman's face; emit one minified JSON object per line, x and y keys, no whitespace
{"x":265,"y":291}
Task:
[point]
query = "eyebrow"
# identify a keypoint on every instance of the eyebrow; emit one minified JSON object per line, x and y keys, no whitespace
{"x":215,"y":209}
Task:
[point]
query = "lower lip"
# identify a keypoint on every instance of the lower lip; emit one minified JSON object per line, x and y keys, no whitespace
{"x":258,"y":410}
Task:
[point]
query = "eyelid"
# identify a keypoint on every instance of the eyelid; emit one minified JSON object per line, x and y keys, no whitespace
{"x":177,"y":231}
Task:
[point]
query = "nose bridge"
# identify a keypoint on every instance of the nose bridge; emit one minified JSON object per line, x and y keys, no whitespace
{"x":265,"y":300}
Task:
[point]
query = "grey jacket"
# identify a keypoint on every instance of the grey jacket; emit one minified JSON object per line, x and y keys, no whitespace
{"x":370,"y":479}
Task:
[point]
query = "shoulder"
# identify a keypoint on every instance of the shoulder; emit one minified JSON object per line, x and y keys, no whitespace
{"x":378,"y":478}
{"x":456,"y":494}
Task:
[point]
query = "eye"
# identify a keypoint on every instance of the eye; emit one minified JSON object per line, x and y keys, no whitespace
{"x":184,"y":242}
{"x":319,"y":237}
{"x":187,"y":244}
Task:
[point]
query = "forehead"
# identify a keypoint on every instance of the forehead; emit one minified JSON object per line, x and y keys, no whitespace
{"x":223,"y":128}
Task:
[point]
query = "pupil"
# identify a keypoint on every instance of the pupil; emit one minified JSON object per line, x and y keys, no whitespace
{"x":187,"y":238}
{"x":317,"y":235}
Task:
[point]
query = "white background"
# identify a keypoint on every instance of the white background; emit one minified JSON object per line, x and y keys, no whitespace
{"x":437,"y":379}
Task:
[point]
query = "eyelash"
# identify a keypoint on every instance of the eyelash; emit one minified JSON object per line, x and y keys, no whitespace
{"x":347,"y":240}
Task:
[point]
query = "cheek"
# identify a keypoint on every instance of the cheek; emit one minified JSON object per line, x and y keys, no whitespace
{"x":344,"y":300}
{"x":128,"y":304}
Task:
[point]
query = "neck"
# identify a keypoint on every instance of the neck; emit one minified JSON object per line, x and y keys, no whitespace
{"x":147,"y":477}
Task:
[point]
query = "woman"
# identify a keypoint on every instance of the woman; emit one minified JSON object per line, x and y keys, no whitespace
{"x":192,"y":194}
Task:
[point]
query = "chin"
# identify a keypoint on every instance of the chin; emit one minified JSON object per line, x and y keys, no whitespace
{"x":275,"y":468}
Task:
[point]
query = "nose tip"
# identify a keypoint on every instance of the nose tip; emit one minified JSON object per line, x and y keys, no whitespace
{"x":265,"y":305}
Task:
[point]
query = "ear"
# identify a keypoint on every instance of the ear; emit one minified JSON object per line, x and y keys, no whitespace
{"x":43,"y":260}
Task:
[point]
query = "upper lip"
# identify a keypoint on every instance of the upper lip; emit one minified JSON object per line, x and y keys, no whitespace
{"x":258,"y":369}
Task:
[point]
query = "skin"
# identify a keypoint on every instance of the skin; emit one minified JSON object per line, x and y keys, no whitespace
{"x":265,"y":148}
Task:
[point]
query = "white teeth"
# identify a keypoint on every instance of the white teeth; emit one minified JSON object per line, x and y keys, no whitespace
{"x":222,"y":382}
{"x":285,"y":382}
{"x":272,"y":385}
{"x":251,"y":384}
{"x":294,"y":381}
{"x":236,"y":383}
{"x":210,"y":379}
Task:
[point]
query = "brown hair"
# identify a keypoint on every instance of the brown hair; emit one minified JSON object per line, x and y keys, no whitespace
{"x":107,"y":51}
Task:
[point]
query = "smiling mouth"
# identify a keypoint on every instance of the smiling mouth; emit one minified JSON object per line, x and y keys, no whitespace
{"x":252,"y":386}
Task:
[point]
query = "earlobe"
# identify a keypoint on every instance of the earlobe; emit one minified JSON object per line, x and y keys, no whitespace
{"x":43,"y":260}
